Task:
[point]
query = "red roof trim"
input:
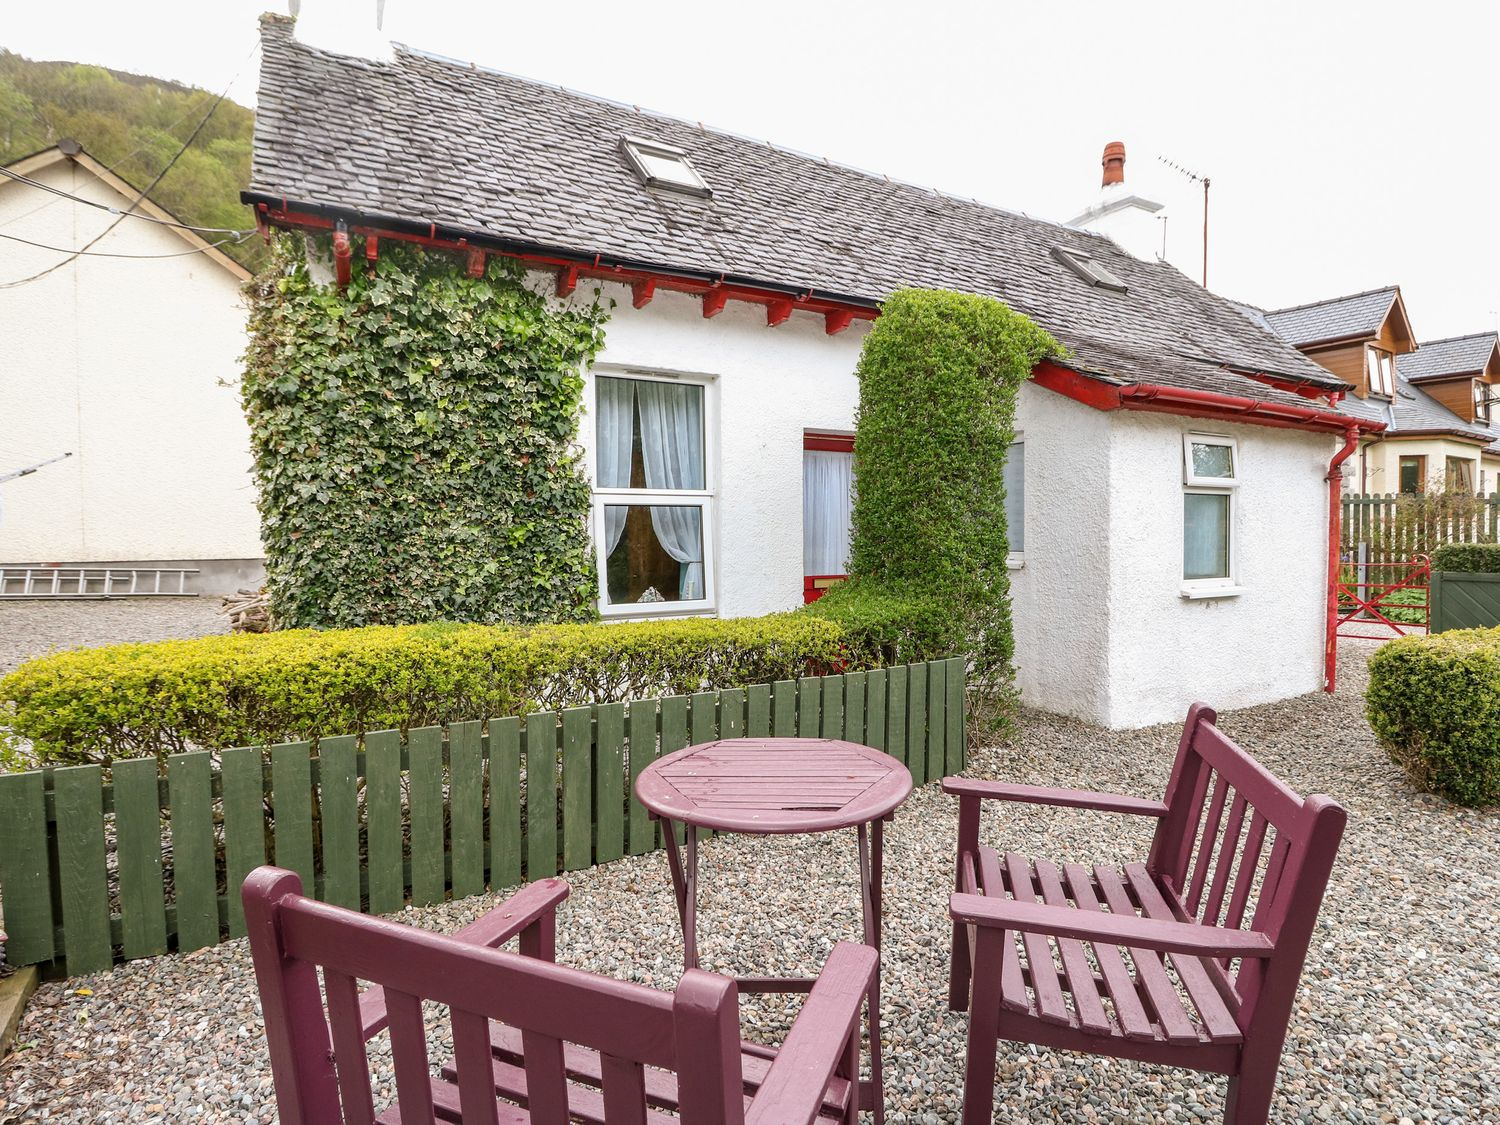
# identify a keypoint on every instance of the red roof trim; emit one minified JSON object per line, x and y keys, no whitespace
{"x":1154,"y":398}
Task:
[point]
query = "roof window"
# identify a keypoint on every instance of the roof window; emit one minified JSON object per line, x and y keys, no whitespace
{"x":1089,"y":269}
{"x":664,"y":166}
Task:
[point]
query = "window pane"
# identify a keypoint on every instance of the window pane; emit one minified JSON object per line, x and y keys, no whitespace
{"x":1411,"y":474}
{"x":653,"y":553}
{"x":1205,"y":540}
{"x":649,"y":434}
{"x":1211,"y":460}
{"x":827,"y":492}
{"x":1015,"y":497}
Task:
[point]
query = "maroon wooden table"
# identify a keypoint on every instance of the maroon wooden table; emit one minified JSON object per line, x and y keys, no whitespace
{"x":779,"y":786}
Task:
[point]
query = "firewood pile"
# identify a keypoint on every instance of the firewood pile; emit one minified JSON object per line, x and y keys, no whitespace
{"x":249,"y":611}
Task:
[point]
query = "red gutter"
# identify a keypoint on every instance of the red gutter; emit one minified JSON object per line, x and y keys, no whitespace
{"x":1335,"y":515}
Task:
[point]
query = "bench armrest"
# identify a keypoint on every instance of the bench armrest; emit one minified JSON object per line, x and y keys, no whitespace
{"x":532,"y":905}
{"x":1063,"y":798}
{"x":1110,"y":929}
{"x":793,"y":1089}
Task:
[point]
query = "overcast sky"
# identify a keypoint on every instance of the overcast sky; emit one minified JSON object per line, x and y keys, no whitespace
{"x":1350,"y":144}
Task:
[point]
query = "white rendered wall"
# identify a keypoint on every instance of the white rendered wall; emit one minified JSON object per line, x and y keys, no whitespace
{"x":766,"y":386}
{"x":1265,"y":644}
{"x":1060,"y":594}
{"x":133,"y":367}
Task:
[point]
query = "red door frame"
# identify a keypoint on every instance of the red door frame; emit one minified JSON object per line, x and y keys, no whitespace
{"x":814,"y":586}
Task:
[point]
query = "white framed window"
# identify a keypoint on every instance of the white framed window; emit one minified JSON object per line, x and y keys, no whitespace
{"x":1210,"y":479}
{"x":1381,"y":368}
{"x":653,"y":495}
{"x":664,"y":166}
{"x":1015,"y":499}
{"x":1481,"y":400}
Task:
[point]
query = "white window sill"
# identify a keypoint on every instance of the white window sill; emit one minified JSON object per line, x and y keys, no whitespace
{"x":1015,"y":562}
{"x":1202,"y":593}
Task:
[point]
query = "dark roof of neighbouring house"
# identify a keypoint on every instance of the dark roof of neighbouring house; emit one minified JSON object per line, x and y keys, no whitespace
{"x":433,"y":140}
{"x":1457,"y":355}
{"x":1340,"y":318}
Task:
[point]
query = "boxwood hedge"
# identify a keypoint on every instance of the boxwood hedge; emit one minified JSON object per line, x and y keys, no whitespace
{"x":134,"y":700}
{"x":1434,"y":701}
{"x":1473,"y":558}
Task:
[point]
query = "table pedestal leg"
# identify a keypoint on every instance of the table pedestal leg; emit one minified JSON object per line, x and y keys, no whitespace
{"x":685,"y":887}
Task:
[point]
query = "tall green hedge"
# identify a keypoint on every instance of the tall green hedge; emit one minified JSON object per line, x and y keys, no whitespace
{"x":938,"y":380}
{"x":1435,"y":703}
{"x":1473,"y":558}
{"x":414,"y":443}
{"x":92,"y":705}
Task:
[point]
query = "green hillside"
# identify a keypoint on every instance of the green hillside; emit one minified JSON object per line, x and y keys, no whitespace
{"x":134,"y":125}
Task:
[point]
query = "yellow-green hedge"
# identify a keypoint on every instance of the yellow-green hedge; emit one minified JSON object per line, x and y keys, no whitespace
{"x":1435,"y":703}
{"x":91,"y":705}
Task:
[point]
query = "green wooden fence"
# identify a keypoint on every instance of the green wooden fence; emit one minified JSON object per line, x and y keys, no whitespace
{"x":1462,"y":600}
{"x":1396,"y":527}
{"x":376,"y":821}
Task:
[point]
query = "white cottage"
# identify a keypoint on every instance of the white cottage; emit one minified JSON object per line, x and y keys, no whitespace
{"x":126,"y":359}
{"x":1170,"y":486}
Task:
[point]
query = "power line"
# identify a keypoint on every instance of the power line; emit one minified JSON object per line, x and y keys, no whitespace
{"x":73,"y":255}
{"x":29,"y":182}
{"x":85,"y":252}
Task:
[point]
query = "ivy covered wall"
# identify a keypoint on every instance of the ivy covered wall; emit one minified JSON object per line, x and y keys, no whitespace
{"x":413,"y":441}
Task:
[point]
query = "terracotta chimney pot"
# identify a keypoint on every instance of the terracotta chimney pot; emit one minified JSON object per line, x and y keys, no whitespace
{"x":1114,"y":163}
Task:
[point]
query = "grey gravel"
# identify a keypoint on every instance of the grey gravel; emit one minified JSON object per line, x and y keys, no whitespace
{"x":1398,"y":1019}
{"x":33,"y":628}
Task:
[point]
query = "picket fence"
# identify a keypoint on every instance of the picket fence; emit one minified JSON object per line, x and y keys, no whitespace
{"x":146,"y":862}
{"x":1393,"y":528}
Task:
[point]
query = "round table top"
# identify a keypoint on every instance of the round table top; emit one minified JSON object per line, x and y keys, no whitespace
{"x":774,"y":785}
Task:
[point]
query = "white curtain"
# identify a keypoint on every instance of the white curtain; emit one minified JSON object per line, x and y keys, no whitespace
{"x":672,"y":452}
{"x":827,"y":494}
{"x":616,"y":425}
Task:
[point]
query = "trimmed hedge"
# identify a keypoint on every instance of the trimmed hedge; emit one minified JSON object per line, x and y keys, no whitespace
{"x":1435,"y":704}
{"x":1470,"y":558}
{"x":136,"y":700}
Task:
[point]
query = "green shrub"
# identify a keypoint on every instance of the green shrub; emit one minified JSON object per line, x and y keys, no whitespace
{"x":414,"y":443}
{"x":884,"y":624}
{"x":1435,"y":703}
{"x":142,"y":699}
{"x":1473,"y":558}
{"x":938,"y":380}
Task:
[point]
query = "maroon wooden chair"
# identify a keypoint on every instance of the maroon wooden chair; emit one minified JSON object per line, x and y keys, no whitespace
{"x":1216,"y":924}
{"x":533,"y":1041}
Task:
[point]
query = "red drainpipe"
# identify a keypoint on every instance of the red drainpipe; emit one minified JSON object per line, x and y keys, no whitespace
{"x":342,"y":257}
{"x":1335,"y":514}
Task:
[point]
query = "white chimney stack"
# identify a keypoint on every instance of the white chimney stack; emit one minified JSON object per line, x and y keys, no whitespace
{"x":1134,"y":222}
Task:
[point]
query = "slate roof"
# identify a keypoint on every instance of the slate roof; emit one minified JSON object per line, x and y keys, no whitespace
{"x":432,"y":140}
{"x":1457,"y":355}
{"x":1358,"y":314}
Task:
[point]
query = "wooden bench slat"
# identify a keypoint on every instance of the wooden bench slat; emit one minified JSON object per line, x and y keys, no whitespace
{"x":1244,"y":879}
{"x":1076,"y":967}
{"x":1206,"y":842}
{"x":1229,"y":852}
{"x":1130,"y":1013}
{"x":1150,"y":971}
{"x":1044,"y":983}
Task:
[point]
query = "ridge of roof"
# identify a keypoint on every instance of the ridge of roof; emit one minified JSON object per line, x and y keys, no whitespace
{"x":1392,"y":289}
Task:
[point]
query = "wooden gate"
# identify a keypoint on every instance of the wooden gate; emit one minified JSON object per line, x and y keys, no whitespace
{"x":1381,"y":600}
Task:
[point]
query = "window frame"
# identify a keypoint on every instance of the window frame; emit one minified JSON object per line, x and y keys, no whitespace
{"x":1380,"y":365}
{"x":705,"y":499}
{"x":1016,"y":559}
{"x":1195,"y":485}
{"x":1464,"y":467}
{"x":1421,"y":463}
{"x":1481,"y":401}
{"x":637,"y":148}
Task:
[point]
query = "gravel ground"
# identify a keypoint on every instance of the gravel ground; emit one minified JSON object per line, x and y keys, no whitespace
{"x":31,"y":628}
{"x":1398,"y":1019}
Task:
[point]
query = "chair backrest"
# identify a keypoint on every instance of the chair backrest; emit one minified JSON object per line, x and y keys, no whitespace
{"x":318,"y":1057}
{"x":1238,"y":848}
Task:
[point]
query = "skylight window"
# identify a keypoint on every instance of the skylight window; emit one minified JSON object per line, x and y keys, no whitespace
{"x":664,"y":166}
{"x":1090,"y":269}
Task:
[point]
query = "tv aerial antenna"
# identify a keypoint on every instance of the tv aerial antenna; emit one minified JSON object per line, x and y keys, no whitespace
{"x":1205,"y":181}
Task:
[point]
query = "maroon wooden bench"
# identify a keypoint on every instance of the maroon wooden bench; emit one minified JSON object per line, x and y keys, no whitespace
{"x":534,"y":1041}
{"x":1216,"y":924}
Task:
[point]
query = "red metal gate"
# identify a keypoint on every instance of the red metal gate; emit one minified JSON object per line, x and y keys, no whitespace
{"x":1379,"y":601}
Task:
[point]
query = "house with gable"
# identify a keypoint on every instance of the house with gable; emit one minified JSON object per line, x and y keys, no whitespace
{"x":124,"y":358}
{"x":1436,"y":397}
{"x":1174,"y":477}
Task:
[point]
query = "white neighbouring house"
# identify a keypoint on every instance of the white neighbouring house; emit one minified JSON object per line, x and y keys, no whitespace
{"x":128,"y":359}
{"x":1169,"y":489}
